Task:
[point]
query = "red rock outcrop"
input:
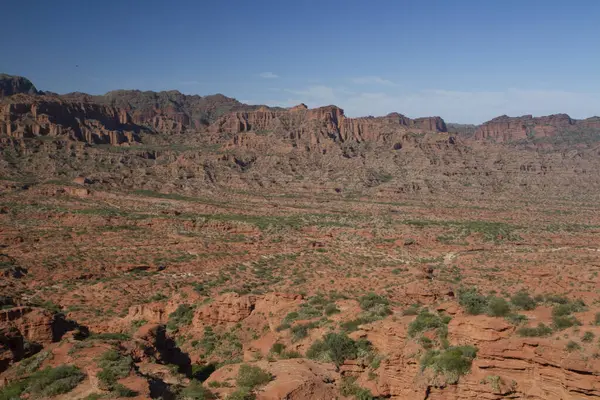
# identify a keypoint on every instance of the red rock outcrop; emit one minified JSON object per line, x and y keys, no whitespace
{"x":508,"y":129}
{"x":34,"y":324}
{"x":228,"y":307}
{"x":295,"y":379}
{"x":326,"y":122}
{"x":23,"y":116}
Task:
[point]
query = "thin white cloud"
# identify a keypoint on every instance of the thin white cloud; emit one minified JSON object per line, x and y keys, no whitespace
{"x":372,"y":80}
{"x":268,"y":75}
{"x":453,"y":106}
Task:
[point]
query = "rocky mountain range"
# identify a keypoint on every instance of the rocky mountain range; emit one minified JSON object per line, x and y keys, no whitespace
{"x":192,"y":142}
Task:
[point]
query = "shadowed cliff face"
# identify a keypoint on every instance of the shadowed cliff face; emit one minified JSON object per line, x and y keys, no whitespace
{"x":10,"y":85}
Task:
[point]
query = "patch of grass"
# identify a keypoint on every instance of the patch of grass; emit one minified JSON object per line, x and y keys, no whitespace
{"x":452,"y":362}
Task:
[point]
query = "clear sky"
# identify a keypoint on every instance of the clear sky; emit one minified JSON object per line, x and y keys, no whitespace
{"x":465,"y":60}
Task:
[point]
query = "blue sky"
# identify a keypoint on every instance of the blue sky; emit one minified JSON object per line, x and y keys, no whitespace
{"x":465,"y":60}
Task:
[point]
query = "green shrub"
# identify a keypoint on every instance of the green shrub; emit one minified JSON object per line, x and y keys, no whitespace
{"x":369,"y":301}
{"x":425,"y":321}
{"x":540,"y":330}
{"x":350,"y":388}
{"x":195,"y":391}
{"x":352,"y":325}
{"x":331,"y":309}
{"x":572,"y":346}
{"x":209,"y":341}
{"x":516,"y":319}
{"x":412,"y":310}
{"x":597,"y":319}
{"x":119,"y":390}
{"x":523,"y":301}
{"x":44,"y":383}
{"x":588,"y":337}
{"x":242,"y":394}
{"x":453,"y":362}
{"x":109,"y":336}
{"x":32,"y":363}
{"x":472,"y":301}
{"x":497,"y":307}
{"x":251,"y":376}
{"x":181,"y":316}
{"x":337,"y":347}
{"x":114,"y":366}
{"x":277,"y":348}
{"x":568,"y":308}
{"x":290,"y":354}
{"x":300,"y":331}
{"x":560,"y":322}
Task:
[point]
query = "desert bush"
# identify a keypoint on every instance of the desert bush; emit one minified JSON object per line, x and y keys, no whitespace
{"x":181,"y":316}
{"x":251,"y":376}
{"x":523,"y":301}
{"x":516,"y":319}
{"x":560,"y":322}
{"x":572,"y":346}
{"x":453,"y":362}
{"x":412,"y":310}
{"x":277,"y":348}
{"x":425,"y":321}
{"x":472,"y":301}
{"x":300,"y":331}
{"x":241,"y":394}
{"x":44,"y":383}
{"x":588,"y":337}
{"x":371,"y":300}
{"x":114,"y":366}
{"x":337,"y":347}
{"x":497,"y":307}
{"x":349,"y":388}
{"x":195,"y":391}
{"x":331,"y":309}
{"x":540,"y":330}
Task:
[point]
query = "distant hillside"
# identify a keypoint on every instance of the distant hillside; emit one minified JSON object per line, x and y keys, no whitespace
{"x":10,"y":85}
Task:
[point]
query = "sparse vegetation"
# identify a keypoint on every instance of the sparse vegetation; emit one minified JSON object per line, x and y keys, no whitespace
{"x":114,"y":367}
{"x":181,"y":316}
{"x":44,"y":383}
{"x":251,"y":376}
{"x":540,"y":330}
{"x":452,"y":362}
{"x":337,"y":347}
